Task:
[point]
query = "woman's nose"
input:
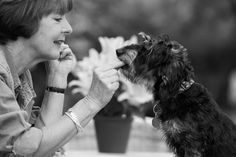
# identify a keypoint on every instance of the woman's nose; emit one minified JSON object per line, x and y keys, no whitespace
{"x":67,"y":29}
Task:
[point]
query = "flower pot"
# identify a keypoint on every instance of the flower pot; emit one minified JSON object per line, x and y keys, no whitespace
{"x":112,"y":133}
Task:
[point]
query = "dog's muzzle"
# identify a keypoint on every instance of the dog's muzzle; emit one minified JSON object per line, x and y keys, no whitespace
{"x":126,"y":56}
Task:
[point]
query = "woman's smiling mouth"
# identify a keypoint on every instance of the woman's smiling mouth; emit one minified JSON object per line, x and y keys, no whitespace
{"x":59,"y":42}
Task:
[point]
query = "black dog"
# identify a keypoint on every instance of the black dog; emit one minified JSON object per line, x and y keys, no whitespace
{"x":190,"y":119}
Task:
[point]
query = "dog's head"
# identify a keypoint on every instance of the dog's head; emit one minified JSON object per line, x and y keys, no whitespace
{"x":159,"y":63}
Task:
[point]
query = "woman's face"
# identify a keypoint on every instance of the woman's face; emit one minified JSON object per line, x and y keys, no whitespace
{"x":51,"y":34}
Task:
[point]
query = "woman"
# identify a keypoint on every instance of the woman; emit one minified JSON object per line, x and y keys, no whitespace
{"x":32,"y":31}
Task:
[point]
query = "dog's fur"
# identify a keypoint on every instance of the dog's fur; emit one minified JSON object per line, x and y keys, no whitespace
{"x":189,"y":117}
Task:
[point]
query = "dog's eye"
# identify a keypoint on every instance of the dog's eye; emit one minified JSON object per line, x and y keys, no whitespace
{"x":133,"y":53}
{"x":170,"y":46}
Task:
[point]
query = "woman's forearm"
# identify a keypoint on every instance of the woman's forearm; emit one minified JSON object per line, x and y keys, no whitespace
{"x":52,"y":108}
{"x":55,"y":135}
{"x":59,"y":133}
{"x":52,"y":105}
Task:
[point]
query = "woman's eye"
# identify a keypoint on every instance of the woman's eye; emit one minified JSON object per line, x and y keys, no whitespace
{"x":58,"y":19}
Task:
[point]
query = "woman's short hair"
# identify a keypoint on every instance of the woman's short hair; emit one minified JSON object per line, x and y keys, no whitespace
{"x":20,"y":18}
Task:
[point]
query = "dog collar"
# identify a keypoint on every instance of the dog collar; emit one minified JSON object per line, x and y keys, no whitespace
{"x":186,"y":85}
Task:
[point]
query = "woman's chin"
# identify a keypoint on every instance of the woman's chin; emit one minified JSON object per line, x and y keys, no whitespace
{"x":51,"y":57}
{"x":54,"y":55}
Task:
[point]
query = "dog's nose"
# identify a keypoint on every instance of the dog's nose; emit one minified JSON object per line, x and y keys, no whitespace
{"x":119,"y":52}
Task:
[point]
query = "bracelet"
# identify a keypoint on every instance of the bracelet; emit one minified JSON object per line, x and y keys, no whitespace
{"x":55,"y":89}
{"x":75,"y":120}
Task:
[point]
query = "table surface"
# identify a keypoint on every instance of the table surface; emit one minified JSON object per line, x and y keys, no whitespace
{"x":75,"y":153}
{"x":144,"y":141}
{"x":143,"y":138}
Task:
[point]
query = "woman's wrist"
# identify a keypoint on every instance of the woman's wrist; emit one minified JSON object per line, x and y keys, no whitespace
{"x":70,"y":113}
{"x":85,"y":110}
{"x":55,"y":89}
{"x":57,"y":81}
{"x":94,"y":104}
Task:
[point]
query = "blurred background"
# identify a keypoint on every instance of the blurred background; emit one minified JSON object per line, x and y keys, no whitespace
{"x":206,"y":28}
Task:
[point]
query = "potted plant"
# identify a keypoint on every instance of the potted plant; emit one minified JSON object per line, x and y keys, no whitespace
{"x":114,"y":121}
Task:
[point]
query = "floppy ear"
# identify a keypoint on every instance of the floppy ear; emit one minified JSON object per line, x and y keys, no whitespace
{"x":147,"y":40}
{"x":175,"y":73}
{"x":175,"y":76}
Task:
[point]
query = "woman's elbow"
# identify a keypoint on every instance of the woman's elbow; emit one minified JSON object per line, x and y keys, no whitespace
{"x":28,"y":143}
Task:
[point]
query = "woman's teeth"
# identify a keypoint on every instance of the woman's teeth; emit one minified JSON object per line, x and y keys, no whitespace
{"x":59,"y":42}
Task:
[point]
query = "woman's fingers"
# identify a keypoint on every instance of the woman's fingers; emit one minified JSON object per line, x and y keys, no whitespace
{"x":111,"y":79}
{"x":111,"y":75}
{"x":104,"y":84}
{"x":106,"y":71}
{"x":108,"y":77}
{"x":66,"y":52}
{"x":75,"y":83}
{"x":64,"y":46}
{"x":113,"y":66}
{"x":114,"y":86}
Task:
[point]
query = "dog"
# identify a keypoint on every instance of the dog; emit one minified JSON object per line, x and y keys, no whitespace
{"x":192,"y":123}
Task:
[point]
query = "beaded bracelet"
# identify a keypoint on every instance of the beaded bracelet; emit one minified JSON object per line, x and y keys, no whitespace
{"x":75,"y":119}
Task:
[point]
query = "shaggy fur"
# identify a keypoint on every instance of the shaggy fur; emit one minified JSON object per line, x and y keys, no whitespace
{"x":192,"y":122}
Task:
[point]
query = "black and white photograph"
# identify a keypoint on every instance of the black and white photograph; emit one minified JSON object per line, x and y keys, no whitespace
{"x":117,"y":78}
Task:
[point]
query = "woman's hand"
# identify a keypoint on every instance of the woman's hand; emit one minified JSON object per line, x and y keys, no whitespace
{"x":59,"y":69}
{"x":104,"y":84}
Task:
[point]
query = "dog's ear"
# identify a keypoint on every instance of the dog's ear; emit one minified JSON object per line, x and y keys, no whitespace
{"x":146,"y":38}
{"x":176,"y":72}
{"x":174,"y":75}
{"x":148,"y":42}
